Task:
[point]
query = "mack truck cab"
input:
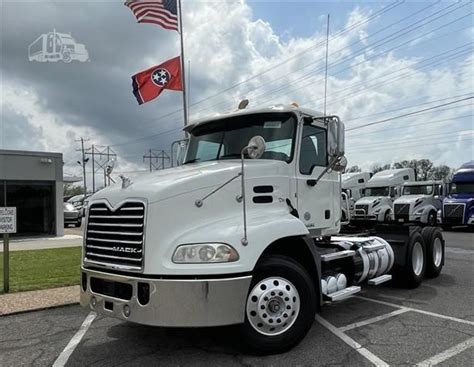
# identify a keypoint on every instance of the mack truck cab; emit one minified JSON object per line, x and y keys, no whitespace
{"x":353,"y":184}
{"x":380,"y":192}
{"x":244,"y":232}
{"x":420,"y":202}
{"x":458,"y":206}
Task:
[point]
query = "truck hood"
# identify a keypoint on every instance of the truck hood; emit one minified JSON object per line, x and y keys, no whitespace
{"x":410,"y":199}
{"x":372,"y":199}
{"x":163,"y":184}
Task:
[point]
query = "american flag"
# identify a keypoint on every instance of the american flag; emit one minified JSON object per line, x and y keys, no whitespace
{"x":161,"y":12}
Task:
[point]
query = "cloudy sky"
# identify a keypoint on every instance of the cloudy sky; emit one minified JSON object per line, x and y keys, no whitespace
{"x":387,"y":59}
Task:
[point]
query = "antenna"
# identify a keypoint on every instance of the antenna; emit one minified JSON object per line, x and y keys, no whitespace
{"x":326,"y":68}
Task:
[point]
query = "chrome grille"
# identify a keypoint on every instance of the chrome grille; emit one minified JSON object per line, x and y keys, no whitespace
{"x":402,"y":209}
{"x":115,"y":237}
{"x":360,"y":207}
{"x":453,"y":213}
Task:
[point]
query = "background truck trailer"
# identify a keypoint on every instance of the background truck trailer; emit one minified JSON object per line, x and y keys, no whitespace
{"x":381,"y":190}
{"x":55,"y":46}
{"x":420,"y":202}
{"x":458,"y":206}
{"x":353,"y":184}
{"x":243,"y":233}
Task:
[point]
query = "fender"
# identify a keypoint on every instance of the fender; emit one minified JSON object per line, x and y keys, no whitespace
{"x":426,"y":211}
{"x":383,"y":210}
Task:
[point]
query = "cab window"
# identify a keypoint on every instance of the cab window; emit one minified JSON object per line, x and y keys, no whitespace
{"x":313,"y":149}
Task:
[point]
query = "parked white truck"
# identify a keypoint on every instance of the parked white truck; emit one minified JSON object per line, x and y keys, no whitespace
{"x":242,"y":233}
{"x":353,"y":185}
{"x":380,"y":192}
{"x":420,"y":202}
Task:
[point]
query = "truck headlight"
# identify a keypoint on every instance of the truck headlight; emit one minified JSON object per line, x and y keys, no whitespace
{"x":205,"y":253}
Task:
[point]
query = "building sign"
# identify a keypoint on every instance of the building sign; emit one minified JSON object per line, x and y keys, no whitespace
{"x":7,"y":220}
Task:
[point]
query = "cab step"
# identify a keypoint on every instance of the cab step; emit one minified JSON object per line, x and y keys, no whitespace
{"x":337,"y":255}
{"x":379,"y":280}
{"x":343,"y":294}
{"x":373,"y":247}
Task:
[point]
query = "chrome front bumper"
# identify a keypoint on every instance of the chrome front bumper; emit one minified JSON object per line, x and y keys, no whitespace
{"x":172,"y":302}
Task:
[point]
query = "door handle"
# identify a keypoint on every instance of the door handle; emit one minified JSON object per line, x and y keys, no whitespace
{"x":311,"y":182}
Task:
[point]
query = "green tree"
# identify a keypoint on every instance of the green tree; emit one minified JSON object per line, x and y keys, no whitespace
{"x":71,"y":190}
{"x":353,"y":169}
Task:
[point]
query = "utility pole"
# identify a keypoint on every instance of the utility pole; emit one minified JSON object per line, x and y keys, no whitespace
{"x":101,"y":157}
{"x":154,"y":157}
{"x":83,"y":163}
{"x":93,"y":170}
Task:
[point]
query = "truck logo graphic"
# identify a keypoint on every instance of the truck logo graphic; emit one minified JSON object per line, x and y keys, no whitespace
{"x":54,"y":46}
{"x":129,"y":250}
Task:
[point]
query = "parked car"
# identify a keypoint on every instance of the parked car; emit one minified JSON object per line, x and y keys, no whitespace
{"x":72,"y":215}
{"x":80,"y":203}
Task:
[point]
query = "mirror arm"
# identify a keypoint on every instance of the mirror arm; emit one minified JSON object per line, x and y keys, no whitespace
{"x":244,"y":240}
{"x":329,"y":167}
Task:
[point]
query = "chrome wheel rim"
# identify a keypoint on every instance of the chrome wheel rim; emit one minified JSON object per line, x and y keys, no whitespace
{"x":273,"y":306}
{"x":417,"y":258}
{"x":437,"y":252}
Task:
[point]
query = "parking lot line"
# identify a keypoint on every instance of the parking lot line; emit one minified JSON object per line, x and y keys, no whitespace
{"x":373,"y":319}
{"x":448,"y":353}
{"x":352,"y":343}
{"x":76,"y":339}
{"x":416,"y":310}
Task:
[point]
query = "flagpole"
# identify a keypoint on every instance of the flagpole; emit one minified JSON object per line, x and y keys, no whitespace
{"x":183,"y":76}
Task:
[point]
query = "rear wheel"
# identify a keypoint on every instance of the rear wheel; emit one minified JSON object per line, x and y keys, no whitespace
{"x":434,"y":251}
{"x":412,"y":272}
{"x":281,"y":306}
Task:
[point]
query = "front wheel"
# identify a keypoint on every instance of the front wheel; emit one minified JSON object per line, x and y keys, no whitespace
{"x":432,"y":219}
{"x":281,"y":306}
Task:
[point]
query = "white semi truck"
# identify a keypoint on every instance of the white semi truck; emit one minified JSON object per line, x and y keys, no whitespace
{"x":420,"y":202}
{"x":380,"y":192}
{"x":244,"y":232}
{"x":353,"y":185}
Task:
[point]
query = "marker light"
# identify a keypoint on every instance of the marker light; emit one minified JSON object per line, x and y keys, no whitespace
{"x":205,"y":253}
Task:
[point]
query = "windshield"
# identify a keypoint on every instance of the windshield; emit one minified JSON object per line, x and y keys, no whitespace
{"x":418,"y":190}
{"x":462,"y":188}
{"x":224,"y":139}
{"x":377,"y":191}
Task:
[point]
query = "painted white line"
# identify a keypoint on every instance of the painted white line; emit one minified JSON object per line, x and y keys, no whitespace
{"x":372,"y":320}
{"x":76,"y":339}
{"x":352,"y":343}
{"x":448,"y":353}
{"x":417,"y":310}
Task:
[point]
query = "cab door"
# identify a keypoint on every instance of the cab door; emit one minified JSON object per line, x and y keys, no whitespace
{"x":317,"y":202}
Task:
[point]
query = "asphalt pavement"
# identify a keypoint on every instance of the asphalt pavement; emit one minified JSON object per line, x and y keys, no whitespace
{"x":428,"y":325}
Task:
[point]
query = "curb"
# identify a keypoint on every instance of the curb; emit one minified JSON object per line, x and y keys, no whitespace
{"x":38,"y":309}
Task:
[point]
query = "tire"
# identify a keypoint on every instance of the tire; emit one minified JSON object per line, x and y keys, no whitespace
{"x":412,"y":272}
{"x":67,"y":57}
{"x":434,"y":251}
{"x":386,"y":216}
{"x":432,"y":220}
{"x":278,"y":276}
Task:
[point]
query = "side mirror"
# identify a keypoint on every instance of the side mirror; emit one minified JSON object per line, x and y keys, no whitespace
{"x":341,"y":164}
{"x":256,"y":147}
{"x":336,"y":140}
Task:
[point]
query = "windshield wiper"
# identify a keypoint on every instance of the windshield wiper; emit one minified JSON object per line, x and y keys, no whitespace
{"x":227,"y":156}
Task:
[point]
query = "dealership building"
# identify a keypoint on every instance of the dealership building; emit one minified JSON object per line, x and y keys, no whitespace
{"x":33,"y":183}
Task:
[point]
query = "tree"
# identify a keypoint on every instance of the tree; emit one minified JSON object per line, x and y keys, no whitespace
{"x":71,"y":190}
{"x":377,"y":168}
{"x":441,"y":172}
{"x":422,"y":167}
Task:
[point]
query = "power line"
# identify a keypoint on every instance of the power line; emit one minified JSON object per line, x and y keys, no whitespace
{"x":409,"y":114}
{"x":454,"y":118}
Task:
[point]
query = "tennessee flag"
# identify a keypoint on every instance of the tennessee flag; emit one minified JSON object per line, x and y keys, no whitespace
{"x":149,"y":84}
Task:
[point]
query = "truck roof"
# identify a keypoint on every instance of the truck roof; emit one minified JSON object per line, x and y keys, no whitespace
{"x":465,"y":173}
{"x":250,"y":111}
{"x":392,"y":176}
{"x":352,"y":179}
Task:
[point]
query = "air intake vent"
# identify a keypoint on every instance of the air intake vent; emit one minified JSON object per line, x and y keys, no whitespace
{"x":115,"y":237}
{"x":262,"y":199}
{"x":263,"y":189}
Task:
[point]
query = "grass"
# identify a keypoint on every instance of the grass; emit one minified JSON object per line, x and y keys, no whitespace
{"x":41,"y":269}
